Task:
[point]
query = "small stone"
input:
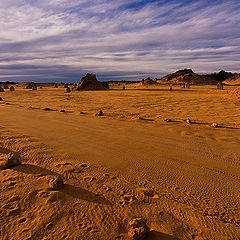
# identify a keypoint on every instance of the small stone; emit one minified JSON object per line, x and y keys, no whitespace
{"x":214,"y":125}
{"x":56,"y":183}
{"x":140,"y":118}
{"x":47,"y":109}
{"x":168,"y":120}
{"x":189,"y":120}
{"x":100,"y":113}
{"x":1,"y":99}
{"x":1,"y":89}
{"x":138,"y":229}
{"x":12,"y":159}
{"x":62,"y":110}
{"x":12,"y":88}
{"x":30,"y":107}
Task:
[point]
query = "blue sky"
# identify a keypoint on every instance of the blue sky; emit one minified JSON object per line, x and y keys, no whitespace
{"x":62,"y":40}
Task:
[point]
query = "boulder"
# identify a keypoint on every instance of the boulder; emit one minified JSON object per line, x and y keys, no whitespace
{"x":12,"y":159}
{"x":138,"y":229}
{"x":56,"y":182}
{"x":12,"y":88}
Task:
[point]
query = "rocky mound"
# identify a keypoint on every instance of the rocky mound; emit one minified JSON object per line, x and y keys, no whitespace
{"x":186,"y":76}
{"x":234,"y":80}
{"x":149,"y":81}
{"x":235,"y":93}
{"x":90,"y":82}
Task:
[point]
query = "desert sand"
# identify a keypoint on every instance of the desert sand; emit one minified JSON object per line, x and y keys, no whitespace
{"x":183,"y":179}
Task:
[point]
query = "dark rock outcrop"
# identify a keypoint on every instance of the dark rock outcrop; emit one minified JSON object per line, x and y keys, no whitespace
{"x":90,"y":82}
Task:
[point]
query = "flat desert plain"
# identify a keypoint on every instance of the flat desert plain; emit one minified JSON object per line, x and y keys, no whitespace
{"x":182,"y":179}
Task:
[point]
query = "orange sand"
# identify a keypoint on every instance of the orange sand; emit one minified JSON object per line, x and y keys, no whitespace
{"x":184,"y":180}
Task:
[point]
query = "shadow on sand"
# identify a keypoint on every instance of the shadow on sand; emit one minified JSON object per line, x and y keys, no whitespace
{"x":85,"y":195}
{"x":70,"y":190}
{"x":154,"y":235}
{"x":33,"y":169}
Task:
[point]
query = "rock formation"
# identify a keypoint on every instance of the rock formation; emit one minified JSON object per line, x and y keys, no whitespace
{"x":68,"y":89}
{"x":90,"y":82}
{"x":234,"y":80}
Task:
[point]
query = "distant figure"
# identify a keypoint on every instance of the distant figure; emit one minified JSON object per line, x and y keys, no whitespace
{"x":220,"y":85}
{"x":123,"y":88}
{"x":171,"y":87}
{"x":12,"y":88}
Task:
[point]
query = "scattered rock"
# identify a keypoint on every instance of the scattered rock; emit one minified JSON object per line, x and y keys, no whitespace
{"x":30,"y":106}
{"x":82,"y":113}
{"x":47,"y":109}
{"x":189,"y":120}
{"x":62,"y":110}
{"x":84,"y":165}
{"x":22,"y":220}
{"x":68,"y":90}
{"x":1,"y":99}
{"x":168,"y":120}
{"x":5,"y":86}
{"x":140,"y":118}
{"x":14,"y":212}
{"x":7,"y":103}
{"x":56,"y":183}
{"x":100,"y":113}
{"x":34,"y":87}
{"x":138,"y":229}
{"x":12,"y":88}
{"x":40,"y":87}
{"x":1,"y":89}
{"x":214,"y":125}
{"x":55,"y":86}
{"x":65,"y":85}
{"x":12,"y":159}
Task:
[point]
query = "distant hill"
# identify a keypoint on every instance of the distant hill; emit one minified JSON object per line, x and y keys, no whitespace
{"x":187,"y":75}
{"x":234,"y":80}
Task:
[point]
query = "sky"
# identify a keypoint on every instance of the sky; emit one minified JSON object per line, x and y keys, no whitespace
{"x":62,"y":40}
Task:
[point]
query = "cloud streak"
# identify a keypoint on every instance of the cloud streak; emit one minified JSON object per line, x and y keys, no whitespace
{"x":61,"y":40}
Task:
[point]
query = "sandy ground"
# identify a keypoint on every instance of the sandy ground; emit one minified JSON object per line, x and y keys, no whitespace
{"x":183,"y":179}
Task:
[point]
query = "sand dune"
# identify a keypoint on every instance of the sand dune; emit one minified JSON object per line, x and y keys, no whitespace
{"x":183,"y":179}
